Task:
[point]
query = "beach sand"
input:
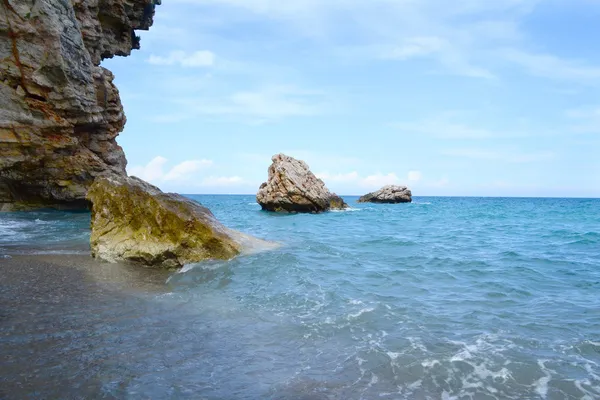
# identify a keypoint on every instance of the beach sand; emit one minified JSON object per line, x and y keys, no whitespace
{"x":53,"y":308}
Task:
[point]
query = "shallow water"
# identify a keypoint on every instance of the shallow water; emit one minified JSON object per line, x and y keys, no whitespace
{"x":443,"y":298}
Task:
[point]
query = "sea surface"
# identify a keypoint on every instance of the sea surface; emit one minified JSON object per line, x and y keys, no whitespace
{"x":444,"y":298}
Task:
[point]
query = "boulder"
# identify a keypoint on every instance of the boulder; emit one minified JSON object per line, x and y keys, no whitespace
{"x":292,"y":187}
{"x":136,"y":222}
{"x":61,"y":112}
{"x":388,"y":194}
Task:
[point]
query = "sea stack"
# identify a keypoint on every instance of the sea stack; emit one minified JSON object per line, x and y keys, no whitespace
{"x":60,"y":110}
{"x":136,"y":222}
{"x":390,"y":194}
{"x":292,"y":187}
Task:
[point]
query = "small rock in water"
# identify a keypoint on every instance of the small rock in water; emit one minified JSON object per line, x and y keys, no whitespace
{"x":388,"y":194}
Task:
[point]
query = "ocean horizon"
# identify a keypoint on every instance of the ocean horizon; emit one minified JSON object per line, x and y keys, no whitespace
{"x":442,"y":298}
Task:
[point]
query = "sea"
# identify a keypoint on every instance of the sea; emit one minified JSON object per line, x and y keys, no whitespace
{"x":442,"y":298}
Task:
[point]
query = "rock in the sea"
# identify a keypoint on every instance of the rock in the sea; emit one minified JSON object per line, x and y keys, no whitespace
{"x":292,"y":187}
{"x":136,"y":222}
{"x":60,"y":112}
{"x":388,"y":194}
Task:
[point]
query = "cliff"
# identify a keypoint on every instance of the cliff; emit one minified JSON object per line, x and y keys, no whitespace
{"x":59,"y":110}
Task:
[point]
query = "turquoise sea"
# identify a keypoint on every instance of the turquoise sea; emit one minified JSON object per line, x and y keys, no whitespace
{"x":444,"y":298}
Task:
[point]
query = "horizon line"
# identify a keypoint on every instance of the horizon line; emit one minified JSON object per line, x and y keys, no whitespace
{"x":453,"y":196}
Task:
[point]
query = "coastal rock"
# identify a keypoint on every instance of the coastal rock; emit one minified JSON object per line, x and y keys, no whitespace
{"x":60,"y":111}
{"x":292,"y":187}
{"x":388,"y":194}
{"x":136,"y":222}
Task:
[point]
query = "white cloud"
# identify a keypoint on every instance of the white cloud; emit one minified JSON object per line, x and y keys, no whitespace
{"x":153,"y":172}
{"x":510,"y":156}
{"x":201,"y":58}
{"x":378,"y":180}
{"x":414,"y":176}
{"x":266,"y":104}
{"x":445,"y":126}
{"x":373,"y":181}
{"x":417,"y":47}
{"x":186,"y":169}
{"x":447,"y":54}
{"x":585,"y":119}
{"x":459,"y":38}
{"x":551,"y":66}
{"x":349,"y":177}
{"x":222,"y":181}
{"x":472,"y":38}
{"x":441,"y":183}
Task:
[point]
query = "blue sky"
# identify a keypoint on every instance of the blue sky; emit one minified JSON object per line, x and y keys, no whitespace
{"x":469,"y":97}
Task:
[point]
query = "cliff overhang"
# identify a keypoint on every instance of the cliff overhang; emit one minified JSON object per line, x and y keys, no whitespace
{"x":60,"y":112}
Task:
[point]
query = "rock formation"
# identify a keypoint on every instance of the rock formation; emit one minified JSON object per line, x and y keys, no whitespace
{"x":292,"y":187}
{"x":60,"y":112}
{"x":134,"y":221}
{"x":388,"y":194}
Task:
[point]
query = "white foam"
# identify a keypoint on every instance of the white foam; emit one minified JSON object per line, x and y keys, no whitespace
{"x":447,"y":396}
{"x":349,"y":209}
{"x":541,"y":385}
{"x":415,"y":384}
{"x":430,"y":363}
{"x":374,"y":380}
{"x":416,"y":344}
{"x":360,"y":312}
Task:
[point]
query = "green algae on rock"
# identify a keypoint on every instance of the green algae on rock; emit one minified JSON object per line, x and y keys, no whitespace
{"x":137,"y":222}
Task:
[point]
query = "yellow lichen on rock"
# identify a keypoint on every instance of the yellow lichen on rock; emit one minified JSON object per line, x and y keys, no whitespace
{"x":135,"y":221}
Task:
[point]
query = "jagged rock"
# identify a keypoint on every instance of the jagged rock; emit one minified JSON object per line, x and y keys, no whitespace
{"x":136,"y":222}
{"x":388,"y":194}
{"x":60,"y":112}
{"x":292,"y":187}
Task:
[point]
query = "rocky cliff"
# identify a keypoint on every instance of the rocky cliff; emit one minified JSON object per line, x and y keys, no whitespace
{"x":59,"y":110}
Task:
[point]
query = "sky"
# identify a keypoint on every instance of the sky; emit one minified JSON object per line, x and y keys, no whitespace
{"x":452,"y":98}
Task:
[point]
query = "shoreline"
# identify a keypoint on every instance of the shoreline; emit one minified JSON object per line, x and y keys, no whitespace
{"x":61,"y":265}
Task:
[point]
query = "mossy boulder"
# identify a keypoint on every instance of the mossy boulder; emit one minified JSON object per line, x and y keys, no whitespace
{"x":135,"y":221}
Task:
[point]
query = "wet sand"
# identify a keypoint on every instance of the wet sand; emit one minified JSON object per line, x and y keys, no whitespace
{"x":53,"y":314}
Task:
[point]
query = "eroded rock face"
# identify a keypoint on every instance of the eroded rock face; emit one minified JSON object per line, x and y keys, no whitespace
{"x":388,"y":194}
{"x":292,"y":187}
{"x":59,"y":110}
{"x":136,"y":222}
